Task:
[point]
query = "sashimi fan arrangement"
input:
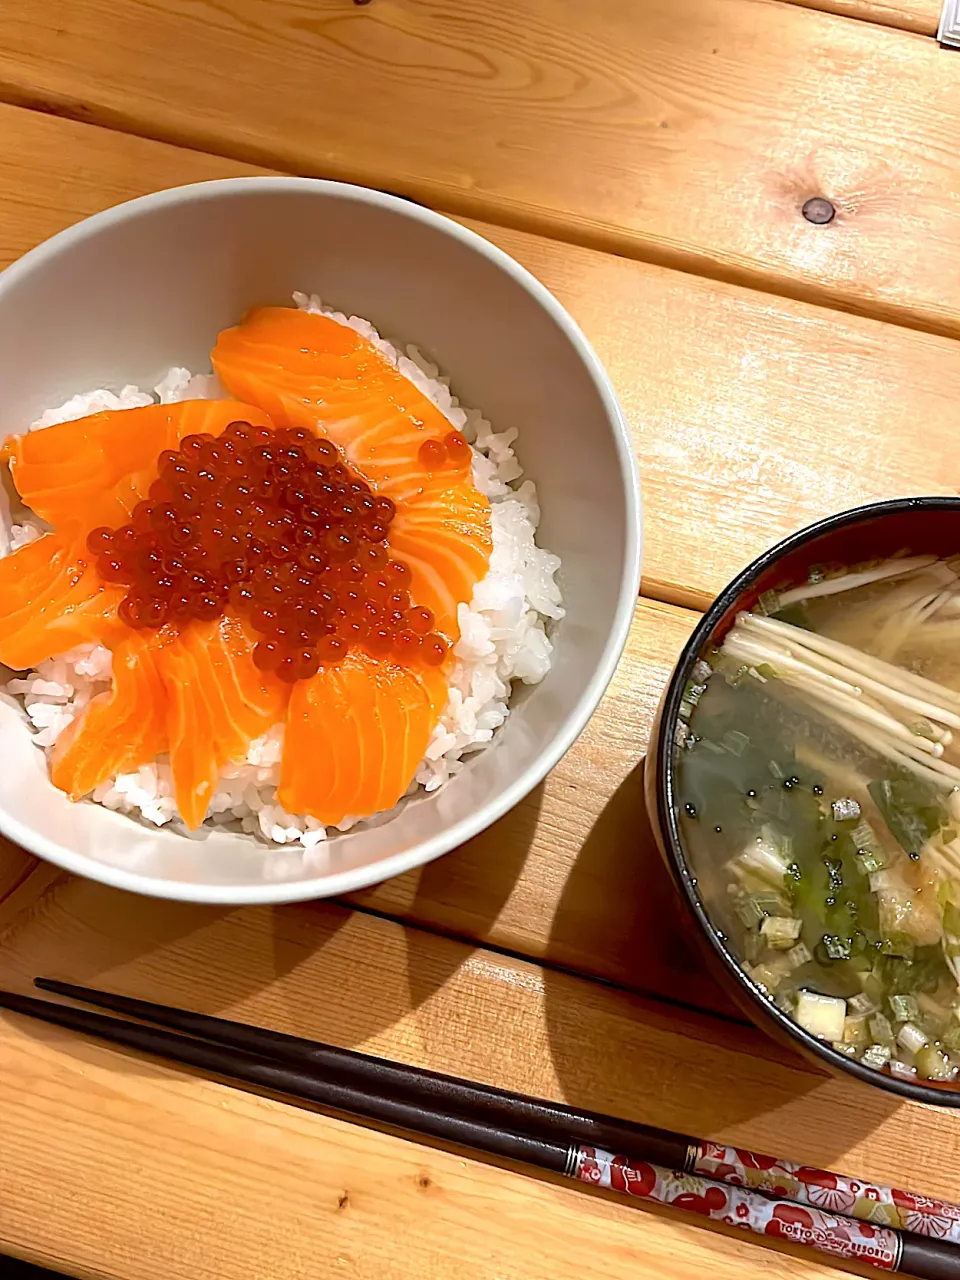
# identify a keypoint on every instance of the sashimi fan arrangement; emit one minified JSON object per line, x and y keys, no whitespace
{"x":279,"y":598}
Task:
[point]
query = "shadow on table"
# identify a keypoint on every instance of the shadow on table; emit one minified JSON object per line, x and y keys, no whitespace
{"x":677,"y":1053}
{"x":347,"y":977}
{"x":620,"y":916}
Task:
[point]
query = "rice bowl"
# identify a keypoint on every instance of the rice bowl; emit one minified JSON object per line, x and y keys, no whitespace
{"x":502,"y":632}
{"x":72,"y":315}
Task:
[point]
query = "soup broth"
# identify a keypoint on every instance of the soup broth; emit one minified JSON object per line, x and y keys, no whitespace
{"x":818,"y":788}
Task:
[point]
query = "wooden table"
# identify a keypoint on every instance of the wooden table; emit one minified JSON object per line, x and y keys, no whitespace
{"x":648,"y":160}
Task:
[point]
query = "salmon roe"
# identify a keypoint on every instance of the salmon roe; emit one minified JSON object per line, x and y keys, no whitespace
{"x":452,"y":450}
{"x":275,"y":524}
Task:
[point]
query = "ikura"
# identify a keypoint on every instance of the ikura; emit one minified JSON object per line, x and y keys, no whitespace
{"x":452,"y":450}
{"x":275,"y":525}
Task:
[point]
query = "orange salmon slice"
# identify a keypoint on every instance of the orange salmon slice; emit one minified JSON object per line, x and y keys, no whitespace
{"x":121,"y":729}
{"x":52,"y":600}
{"x":217,"y":703}
{"x":308,"y":371}
{"x":93,"y":471}
{"x":355,"y":735}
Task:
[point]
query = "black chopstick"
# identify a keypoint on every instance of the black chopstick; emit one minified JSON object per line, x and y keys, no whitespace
{"x":428,"y":1088}
{"x":295,"y":1082}
{"x":488,"y":1120}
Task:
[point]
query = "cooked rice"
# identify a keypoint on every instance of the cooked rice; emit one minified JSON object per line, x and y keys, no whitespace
{"x":502,"y":632}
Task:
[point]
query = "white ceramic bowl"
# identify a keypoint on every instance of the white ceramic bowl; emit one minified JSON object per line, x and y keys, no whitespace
{"x":128,"y":293}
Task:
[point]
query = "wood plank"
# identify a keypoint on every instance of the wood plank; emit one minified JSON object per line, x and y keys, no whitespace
{"x":920,"y":16}
{"x":720,"y":384}
{"x":752,"y":415}
{"x":548,"y":879}
{"x":54,"y":172}
{"x":121,"y":1167}
{"x":687,"y":132}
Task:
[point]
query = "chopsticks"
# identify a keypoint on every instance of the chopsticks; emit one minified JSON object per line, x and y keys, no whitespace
{"x":845,"y":1217}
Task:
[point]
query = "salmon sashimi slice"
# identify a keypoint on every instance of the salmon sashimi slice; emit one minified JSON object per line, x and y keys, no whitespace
{"x":51,"y":600}
{"x":307,"y":370}
{"x":217,"y":703}
{"x":121,"y":729}
{"x":355,"y":735}
{"x":93,"y":471}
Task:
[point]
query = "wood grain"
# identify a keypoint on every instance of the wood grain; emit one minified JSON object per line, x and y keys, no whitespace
{"x":572,"y":874}
{"x":920,"y":16}
{"x":687,"y":132}
{"x":752,"y":415}
{"x":720,"y":386}
{"x":125,"y":1168}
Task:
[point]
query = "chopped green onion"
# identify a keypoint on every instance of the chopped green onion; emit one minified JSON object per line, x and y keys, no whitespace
{"x":786,"y":1001}
{"x":881,"y":1029}
{"x":765,"y":860}
{"x":877,"y":1056}
{"x":781,"y":932}
{"x":691,"y":696}
{"x":768,"y":603}
{"x":701,"y":672}
{"x":933,"y":1064}
{"x":863,"y":1004}
{"x":951,"y":1038}
{"x":848,"y":1050}
{"x":903,"y":1007}
{"x":855,"y":1030}
{"x":845,"y":809}
{"x":902,"y":1070}
{"x":740,"y":674}
{"x":748,"y":911}
{"x":798,"y":955}
{"x":865,"y":839}
{"x":870,"y":861}
{"x":837,"y":948}
{"x":932,"y":1010}
{"x":772,"y":903}
{"x":911,"y":1038}
{"x":767,"y":976}
{"x":883,"y":881}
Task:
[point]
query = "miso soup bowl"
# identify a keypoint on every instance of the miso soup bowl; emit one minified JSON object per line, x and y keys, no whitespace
{"x":921,"y":525}
{"x":124,"y":295}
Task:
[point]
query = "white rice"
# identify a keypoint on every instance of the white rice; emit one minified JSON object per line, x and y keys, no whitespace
{"x":503,"y":634}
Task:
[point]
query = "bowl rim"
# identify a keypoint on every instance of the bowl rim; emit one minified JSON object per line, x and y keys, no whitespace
{"x":340,"y":882}
{"x":665,"y":794}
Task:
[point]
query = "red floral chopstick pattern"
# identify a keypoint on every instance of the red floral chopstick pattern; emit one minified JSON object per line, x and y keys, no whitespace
{"x":868,"y":1202}
{"x":739,"y":1207}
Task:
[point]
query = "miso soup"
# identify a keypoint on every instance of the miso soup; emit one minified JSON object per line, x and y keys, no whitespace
{"x":818,"y":785}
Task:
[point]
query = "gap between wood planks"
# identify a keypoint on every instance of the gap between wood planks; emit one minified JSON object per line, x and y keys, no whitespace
{"x":435,"y":194}
{"x":919,"y":17}
{"x":546,"y":963}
